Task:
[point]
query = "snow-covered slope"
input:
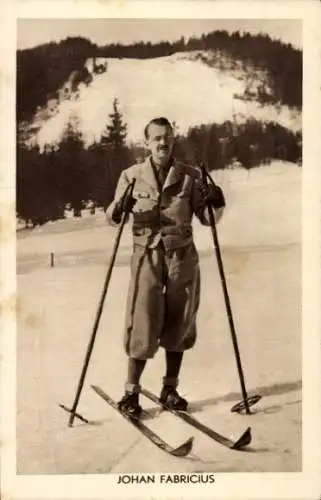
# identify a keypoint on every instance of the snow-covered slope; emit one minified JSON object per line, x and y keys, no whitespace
{"x":183,"y":87}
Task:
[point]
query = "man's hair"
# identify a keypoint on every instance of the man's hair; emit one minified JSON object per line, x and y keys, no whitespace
{"x":161,"y":121}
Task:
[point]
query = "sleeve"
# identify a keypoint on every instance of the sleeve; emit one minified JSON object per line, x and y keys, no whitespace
{"x":199,"y":207}
{"x":123,"y":183}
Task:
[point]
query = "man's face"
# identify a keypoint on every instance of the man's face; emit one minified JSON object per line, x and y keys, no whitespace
{"x":160,"y":142}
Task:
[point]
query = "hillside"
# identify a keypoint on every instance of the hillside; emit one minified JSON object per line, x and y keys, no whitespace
{"x":155,"y":87}
{"x":232,"y":103}
{"x":53,"y":64}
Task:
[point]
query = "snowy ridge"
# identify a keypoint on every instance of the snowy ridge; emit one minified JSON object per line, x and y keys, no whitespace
{"x":182,"y":87}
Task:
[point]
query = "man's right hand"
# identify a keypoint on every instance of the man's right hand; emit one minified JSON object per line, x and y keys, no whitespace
{"x":125,"y":205}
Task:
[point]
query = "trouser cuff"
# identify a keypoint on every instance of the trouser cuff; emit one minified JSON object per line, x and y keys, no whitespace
{"x":133,"y":388}
{"x":171,"y":381}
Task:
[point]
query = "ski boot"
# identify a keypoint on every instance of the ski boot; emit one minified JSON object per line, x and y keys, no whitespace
{"x":129,"y":405}
{"x":170,"y":397}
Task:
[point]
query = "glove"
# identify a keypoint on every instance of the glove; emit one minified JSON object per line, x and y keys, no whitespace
{"x":126,"y":205}
{"x":212,"y":194}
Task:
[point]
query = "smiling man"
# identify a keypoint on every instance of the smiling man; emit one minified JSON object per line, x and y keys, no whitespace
{"x":164,"y":290}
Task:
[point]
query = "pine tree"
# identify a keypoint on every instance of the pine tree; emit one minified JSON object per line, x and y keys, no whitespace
{"x":113,"y":140}
{"x":116,"y":132}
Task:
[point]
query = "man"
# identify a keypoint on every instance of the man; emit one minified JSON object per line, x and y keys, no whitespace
{"x":164,"y":289}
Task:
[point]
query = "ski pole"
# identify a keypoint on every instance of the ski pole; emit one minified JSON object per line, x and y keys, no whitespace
{"x":247,"y":401}
{"x":72,"y":411}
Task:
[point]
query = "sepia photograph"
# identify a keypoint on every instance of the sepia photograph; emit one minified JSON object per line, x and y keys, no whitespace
{"x":97,"y":107}
{"x":159,"y":172}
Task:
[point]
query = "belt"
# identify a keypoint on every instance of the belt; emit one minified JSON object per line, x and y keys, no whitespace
{"x":184,"y":231}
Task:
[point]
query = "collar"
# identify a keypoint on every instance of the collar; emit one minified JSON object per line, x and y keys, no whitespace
{"x":174,"y":174}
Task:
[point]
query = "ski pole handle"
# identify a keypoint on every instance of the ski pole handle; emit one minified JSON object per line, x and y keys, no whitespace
{"x":204,"y":174}
{"x":128,"y":193}
{"x":211,"y":215}
{"x":129,"y":190}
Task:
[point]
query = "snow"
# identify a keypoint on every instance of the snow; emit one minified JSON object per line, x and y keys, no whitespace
{"x":260,"y":239}
{"x":180,"y":87}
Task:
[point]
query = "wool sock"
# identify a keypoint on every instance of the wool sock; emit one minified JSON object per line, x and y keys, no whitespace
{"x":135,"y":370}
{"x":173,"y":366}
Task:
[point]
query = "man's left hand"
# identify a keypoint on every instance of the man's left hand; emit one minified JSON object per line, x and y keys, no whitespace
{"x":213,"y":194}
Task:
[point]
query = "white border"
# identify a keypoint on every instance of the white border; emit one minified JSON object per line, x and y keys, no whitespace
{"x":304,"y":485}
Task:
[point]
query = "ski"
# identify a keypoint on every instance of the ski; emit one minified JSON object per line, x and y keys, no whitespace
{"x":181,"y":451}
{"x":239,"y":444}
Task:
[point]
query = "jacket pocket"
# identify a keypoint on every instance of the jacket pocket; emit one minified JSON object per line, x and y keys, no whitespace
{"x":139,"y":231}
{"x":142,"y":195}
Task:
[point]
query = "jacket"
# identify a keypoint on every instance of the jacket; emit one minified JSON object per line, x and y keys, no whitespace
{"x":163,"y":214}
